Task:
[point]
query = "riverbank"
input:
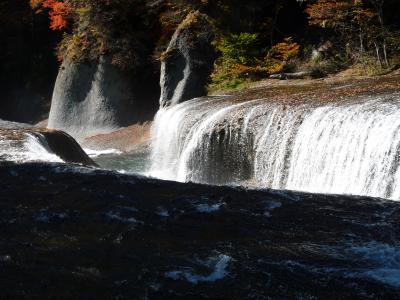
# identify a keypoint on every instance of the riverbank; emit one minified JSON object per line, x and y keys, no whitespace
{"x":324,"y":90}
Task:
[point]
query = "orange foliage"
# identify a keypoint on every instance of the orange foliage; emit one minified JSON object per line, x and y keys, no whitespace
{"x":326,"y":13}
{"x":281,"y":54}
{"x":59,"y":12}
{"x":242,"y":71}
{"x":286,"y":49}
{"x":332,"y":13}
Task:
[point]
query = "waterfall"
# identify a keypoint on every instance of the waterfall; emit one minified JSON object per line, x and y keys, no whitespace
{"x":347,"y":147}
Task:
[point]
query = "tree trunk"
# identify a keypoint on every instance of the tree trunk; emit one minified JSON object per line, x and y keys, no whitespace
{"x":385,"y":54}
{"x":361,"y":42}
{"x":378,"y":56}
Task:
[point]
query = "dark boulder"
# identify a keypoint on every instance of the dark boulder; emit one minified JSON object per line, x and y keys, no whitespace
{"x":40,"y":144}
{"x":64,"y":146}
{"x":188,"y":61}
{"x":92,"y":98}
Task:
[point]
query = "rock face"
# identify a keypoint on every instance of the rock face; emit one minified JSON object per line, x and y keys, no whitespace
{"x":39,"y":144}
{"x":188,"y":61}
{"x":78,"y":233}
{"x":92,"y":98}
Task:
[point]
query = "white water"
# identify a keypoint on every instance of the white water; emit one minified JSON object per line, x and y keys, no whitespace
{"x":33,"y":148}
{"x":351,"y":147}
{"x":96,"y":153}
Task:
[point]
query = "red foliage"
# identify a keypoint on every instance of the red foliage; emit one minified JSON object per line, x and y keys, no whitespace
{"x":59,"y":12}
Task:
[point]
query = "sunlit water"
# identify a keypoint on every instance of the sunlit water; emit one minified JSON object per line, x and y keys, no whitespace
{"x":351,"y":147}
{"x":347,"y":147}
{"x":33,"y":148}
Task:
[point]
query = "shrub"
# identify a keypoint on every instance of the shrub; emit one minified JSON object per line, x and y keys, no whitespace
{"x":240,"y":48}
{"x":243,"y":59}
{"x":282,"y":56}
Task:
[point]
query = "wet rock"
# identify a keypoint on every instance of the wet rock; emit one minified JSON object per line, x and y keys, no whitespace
{"x":93,"y":234}
{"x":188,"y":61}
{"x":25,"y":144}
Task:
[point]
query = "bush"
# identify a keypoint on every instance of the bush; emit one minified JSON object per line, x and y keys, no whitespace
{"x":243,"y":59}
{"x":282,"y":56}
{"x":240,"y":48}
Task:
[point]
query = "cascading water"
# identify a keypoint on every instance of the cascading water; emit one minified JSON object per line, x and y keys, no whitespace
{"x":348,"y":147}
{"x":33,"y":148}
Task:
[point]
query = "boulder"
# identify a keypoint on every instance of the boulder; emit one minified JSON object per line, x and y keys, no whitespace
{"x":188,"y":61}
{"x":92,"y":98}
{"x":40,"y":144}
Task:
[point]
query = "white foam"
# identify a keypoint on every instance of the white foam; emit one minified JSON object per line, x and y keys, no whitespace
{"x":219,"y":272}
{"x":95,"y":153}
{"x":34,"y":148}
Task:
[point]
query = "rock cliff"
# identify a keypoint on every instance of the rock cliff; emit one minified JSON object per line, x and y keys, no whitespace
{"x":188,"y":61}
{"x":92,"y":98}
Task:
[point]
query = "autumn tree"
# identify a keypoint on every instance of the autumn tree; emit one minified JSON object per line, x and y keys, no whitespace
{"x":59,"y":12}
{"x":124,"y":29}
{"x":354,"y":20}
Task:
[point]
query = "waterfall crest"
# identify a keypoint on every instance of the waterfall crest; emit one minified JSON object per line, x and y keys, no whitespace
{"x":347,"y":147}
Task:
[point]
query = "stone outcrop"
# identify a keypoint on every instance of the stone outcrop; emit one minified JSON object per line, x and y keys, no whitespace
{"x":16,"y":146}
{"x":78,"y":233}
{"x":92,"y":98}
{"x":64,"y":146}
{"x":188,"y":61}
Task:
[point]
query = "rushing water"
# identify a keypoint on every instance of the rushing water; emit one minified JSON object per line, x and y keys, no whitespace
{"x":348,"y":147}
{"x":33,"y":148}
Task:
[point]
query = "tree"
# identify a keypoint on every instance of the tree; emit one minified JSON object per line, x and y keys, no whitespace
{"x":59,"y":12}
{"x":351,"y":20}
